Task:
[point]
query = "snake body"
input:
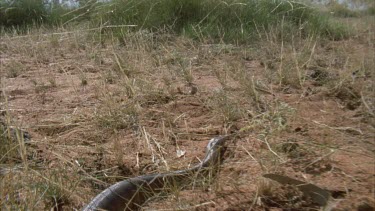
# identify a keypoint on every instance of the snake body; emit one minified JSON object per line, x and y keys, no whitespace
{"x":130,"y":194}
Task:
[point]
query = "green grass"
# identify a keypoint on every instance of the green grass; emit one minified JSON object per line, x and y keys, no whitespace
{"x":228,"y":20}
{"x":371,"y":10}
{"x":342,"y":10}
{"x":22,"y":12}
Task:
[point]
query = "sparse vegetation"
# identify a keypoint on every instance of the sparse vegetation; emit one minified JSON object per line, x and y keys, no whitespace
{"x":342,"y":10}
{"x":112,"y":90}
{"x":14,"y":69}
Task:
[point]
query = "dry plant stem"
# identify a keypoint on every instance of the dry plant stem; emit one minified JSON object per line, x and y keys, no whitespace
{"x":145,"y":135}
{"x":161,"y":152}
{"x":252,"y":157}
{"x":9,"y":151}
{"x":194,"y":207}
{"x":255,"y":199}
{"x":341,"y":149}
{"x":280,"y":70}
{"x":320,"y":158}
{"x":128,"y":84}
{"x":75,"y":10}
{"x":103,"y":170}
{"x":19,"y":135}
{"x":158,"y":146}
{"x":6,"y":112}
{"x":339,"y":128}
{"x":137,"y":161}
{"x":254,"y":90}
{"x":79,"y":167}
{"x":369,"y":110}
{"x":71,"y":78}
{"x":271,"y":150}
{"x":311,"y":55}
{"x":53,"y":182}
{"x":21,"y":143}
{"x":299,"y":74}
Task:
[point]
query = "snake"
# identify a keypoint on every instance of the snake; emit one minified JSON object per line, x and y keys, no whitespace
{"x":131,"y":193}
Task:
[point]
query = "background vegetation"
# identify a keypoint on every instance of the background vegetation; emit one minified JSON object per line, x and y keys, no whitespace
{"x":235,"y":20}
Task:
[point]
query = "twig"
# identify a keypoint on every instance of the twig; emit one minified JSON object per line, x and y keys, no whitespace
{"x":190,"y":207}
{"x":137,"y":160}
{"x":367,"y":106}
{"x":249,"y":153}
{"x":338,"y":128}
{"x":320,"y":158}
{"x":60,"y":186}
{"x":158,"y":146}
{"x":149,"y":144}
{"x":81,"y":169}
{"x":269,"y":148}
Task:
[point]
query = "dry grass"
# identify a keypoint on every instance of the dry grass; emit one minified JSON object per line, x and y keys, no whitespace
{"x":100,"y":110}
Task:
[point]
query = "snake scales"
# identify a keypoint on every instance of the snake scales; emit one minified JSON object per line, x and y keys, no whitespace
{"x":130,"y":194}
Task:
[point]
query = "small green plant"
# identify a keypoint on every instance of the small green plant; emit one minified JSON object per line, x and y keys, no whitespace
{"x":225,"y":106}
{"x":109,"y":77}
{"x":290,"y":74}
{"x":8,"y":145}
{"x":84,"y":81}
{"x":222,"y":77}
{"x":186,"y":72}
{"x":83,"y":77}
{"x":120,"y":65}
{"x":61,"y":185}
{"x":248,"y":84}
{"x":52,"y":81}
{"x":14,"y":69}
{"x":115,"y":116}
{"x":54,"y":39}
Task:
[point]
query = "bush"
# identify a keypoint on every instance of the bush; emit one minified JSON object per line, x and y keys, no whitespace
{"x":229,"y":20}
{"x":371,"y":9}
{"x":234,"y":20}
{"x":22,"y":12}
{"x":342,"y":10}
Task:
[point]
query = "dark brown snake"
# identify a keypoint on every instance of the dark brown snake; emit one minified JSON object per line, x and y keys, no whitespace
{"x":130,"y":194}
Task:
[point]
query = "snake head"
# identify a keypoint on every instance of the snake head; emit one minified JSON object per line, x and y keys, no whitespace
{"x":214,"y":151}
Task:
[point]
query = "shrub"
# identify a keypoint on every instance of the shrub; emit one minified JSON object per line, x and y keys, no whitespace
{"x":21,"y":12}
{"x":234,"y":20}
{"x":228,"y":20}
{"x":371,"y":9}
{"x":341,"y":10}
